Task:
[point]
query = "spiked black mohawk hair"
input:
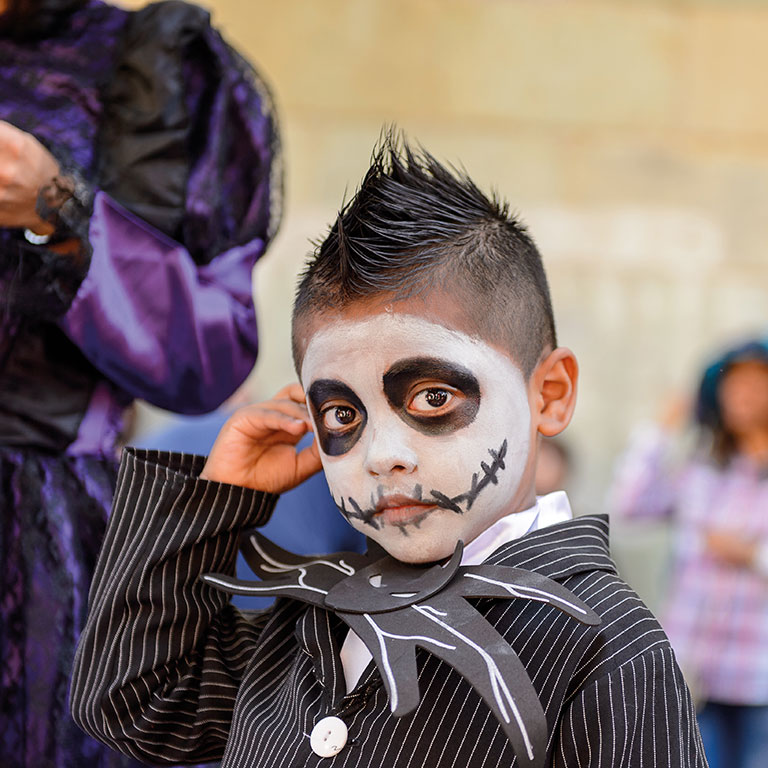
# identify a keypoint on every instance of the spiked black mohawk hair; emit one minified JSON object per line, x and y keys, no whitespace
{"x":416,"y":226}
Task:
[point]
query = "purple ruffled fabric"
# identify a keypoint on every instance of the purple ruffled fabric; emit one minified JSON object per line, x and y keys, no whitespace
{"x":178,"y":206}
{"x":52,"y":517}
{"x":52,"y":508}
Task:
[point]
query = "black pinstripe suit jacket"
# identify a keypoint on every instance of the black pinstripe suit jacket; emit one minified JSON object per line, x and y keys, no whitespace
{"x":168,"y":671}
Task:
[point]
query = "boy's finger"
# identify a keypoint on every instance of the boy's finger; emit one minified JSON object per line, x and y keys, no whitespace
{"x":307,"y":463}
{"x":292,"y":408}
{"x":267,"y":423}
{"x":292,"y":391}
{"x":252,"y":417}
{"x":283,"y":404}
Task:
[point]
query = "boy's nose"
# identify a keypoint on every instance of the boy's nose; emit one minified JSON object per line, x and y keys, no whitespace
{"x":388,"y":452}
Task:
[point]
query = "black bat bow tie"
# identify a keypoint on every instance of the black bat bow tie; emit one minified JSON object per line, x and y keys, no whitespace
{"x":395,"y":608}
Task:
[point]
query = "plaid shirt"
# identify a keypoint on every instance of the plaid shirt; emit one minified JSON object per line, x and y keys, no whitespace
{"x":716,"y":615}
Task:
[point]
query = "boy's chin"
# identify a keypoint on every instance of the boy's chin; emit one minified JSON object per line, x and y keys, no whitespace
{"x":416,"y":550}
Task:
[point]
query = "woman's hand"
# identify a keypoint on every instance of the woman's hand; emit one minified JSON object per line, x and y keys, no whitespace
{"x":730,"y":548}
{"x":675,"y":413}
{"x":256,"y":448}
{"x":25,"y":166}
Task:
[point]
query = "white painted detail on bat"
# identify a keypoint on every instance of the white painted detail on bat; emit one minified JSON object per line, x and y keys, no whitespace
{"x":528,"y":593}
{"x":278,"y":567}
{"x":380,"y":636}
{"x":255,"y":588}
{"x":498,"y":685}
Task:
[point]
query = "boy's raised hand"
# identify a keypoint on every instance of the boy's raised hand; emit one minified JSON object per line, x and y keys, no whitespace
{"x":256,"y":448}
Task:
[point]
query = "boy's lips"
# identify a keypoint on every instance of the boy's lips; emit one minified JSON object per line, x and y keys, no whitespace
{"x":398,"y":508}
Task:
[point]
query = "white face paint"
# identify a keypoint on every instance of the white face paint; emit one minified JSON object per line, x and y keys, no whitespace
{"x":424,"y":431}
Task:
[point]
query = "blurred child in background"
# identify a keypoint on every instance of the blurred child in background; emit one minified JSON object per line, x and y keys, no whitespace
{"x":717,"y":608}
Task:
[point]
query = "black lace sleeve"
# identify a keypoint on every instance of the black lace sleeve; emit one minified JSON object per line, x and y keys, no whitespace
{"x":66,"y":203}
{"x":188,"y":143}
{"x":190,"y":140}
{"x":41,"y":279}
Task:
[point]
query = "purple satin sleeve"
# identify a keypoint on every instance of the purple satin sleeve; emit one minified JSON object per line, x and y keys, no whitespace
{"x":160,"y":327}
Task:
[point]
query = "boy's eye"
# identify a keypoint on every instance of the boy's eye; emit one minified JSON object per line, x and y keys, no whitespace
{"x":431,"y":399}
{"x":339,"y":416}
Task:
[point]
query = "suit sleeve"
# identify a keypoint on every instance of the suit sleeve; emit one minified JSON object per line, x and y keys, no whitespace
{"x":639,"y":715}
{"x":162,"y":654}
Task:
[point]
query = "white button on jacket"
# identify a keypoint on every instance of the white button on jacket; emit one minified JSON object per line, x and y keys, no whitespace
{"x":328,"y":737}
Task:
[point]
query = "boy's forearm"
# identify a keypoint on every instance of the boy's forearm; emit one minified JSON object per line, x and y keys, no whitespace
{"x":153,"y":626}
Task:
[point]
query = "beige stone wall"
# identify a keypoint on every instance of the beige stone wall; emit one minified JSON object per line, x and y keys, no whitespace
{"x":631,"y":136}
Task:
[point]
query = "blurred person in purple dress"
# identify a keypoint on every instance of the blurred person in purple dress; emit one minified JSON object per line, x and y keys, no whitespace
{"x":140,"y":180}
{"x":717,"y":610}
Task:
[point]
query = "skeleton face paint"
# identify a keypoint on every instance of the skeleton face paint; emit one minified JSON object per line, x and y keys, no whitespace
{"x":403,"y":376}
{"x":424,"y":431}
{"x":339,"y":416}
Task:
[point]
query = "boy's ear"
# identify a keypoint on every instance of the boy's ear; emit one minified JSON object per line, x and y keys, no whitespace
{"x":555,"y":383}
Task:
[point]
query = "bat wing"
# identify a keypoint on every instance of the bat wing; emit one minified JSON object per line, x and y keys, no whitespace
{"x":453,"y":631}
{"x":293,"y":585}
{"x":308,"y":578}
{"x":506,"y":582}
{"x":394,"y":652}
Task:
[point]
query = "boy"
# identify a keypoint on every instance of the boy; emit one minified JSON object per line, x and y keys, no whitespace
{"x":425,"y":342}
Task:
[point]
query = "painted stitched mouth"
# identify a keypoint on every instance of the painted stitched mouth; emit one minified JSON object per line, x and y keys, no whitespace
{"x":402,"y":510}
{"x":460,"y":504}
{"x":391,"y":509}
{"x":395,"y":501}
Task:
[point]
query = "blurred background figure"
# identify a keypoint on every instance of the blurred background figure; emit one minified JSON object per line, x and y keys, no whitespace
{"x":716,"y":613}
{"x":554,"y":465}
{"x":140,"y":179}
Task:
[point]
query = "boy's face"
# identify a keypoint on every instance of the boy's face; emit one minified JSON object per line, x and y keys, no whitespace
{"x":424,"y":431}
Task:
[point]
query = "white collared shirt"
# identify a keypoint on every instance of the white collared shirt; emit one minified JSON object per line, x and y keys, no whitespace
{"x":548,"y":510}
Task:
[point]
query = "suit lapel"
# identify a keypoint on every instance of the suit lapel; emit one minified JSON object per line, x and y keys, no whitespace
{"x":319,"y":632}
{"x":562,"y":550}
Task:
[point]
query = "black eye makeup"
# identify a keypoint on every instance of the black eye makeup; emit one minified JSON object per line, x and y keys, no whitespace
{"x":434,"y":396}
{"x":339,"y":416}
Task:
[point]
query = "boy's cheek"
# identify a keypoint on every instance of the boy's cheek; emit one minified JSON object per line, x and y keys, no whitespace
{"x":340,"y":474}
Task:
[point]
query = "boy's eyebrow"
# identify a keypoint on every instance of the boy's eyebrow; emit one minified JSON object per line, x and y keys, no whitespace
{"x":327,"y":389}
{"x":402,"y":374}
